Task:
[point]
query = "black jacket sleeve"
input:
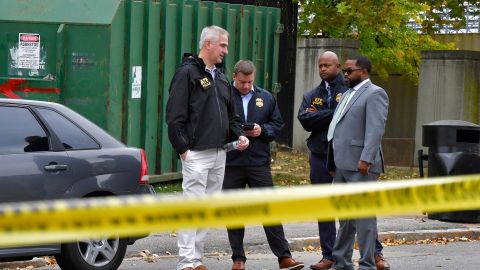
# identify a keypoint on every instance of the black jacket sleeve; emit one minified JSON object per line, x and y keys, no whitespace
{"x":313,"y":121}
{"x":235,"y":122}
{"x":177,"y":110}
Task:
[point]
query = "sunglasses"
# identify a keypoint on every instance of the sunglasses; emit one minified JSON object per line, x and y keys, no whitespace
{"x":350,"y":70}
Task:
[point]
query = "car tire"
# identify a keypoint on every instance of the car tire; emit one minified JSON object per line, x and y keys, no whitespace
{"x":93,"y":254}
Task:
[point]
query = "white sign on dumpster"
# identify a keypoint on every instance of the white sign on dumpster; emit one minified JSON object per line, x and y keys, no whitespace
{"x":136,"y":81}
{"x":28,"y":51}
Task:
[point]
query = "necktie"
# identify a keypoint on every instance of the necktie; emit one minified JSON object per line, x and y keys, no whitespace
{"x":337,"y":114}
{"x":329,"y":95}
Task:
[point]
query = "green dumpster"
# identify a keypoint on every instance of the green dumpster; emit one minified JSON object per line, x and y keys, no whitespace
{"x":112,"y":60}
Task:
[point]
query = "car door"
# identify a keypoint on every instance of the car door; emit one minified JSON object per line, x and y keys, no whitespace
{"x":84,"y":153}
{"x":109,"y":170}
{"x":29,"y":162}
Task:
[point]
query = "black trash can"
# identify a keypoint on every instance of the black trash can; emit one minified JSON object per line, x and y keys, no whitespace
{"x":453,"y":149}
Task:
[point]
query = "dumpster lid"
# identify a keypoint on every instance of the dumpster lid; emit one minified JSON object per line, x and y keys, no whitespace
{"x":452,"y":123}
{"x":60,"y":11}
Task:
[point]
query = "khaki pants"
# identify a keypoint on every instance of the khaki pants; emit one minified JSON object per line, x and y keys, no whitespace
{"x":203,"y":173}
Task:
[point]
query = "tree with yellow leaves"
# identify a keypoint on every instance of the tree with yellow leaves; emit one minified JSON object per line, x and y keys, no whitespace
{"x":385,"y":27}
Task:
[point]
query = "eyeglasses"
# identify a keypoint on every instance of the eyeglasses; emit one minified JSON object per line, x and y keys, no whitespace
{"x":350,"y":70}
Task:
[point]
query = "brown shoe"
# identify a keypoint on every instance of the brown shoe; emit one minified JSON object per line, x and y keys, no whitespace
{"x":290,"y":264}
{"x":381,"y":263}
{"x":201,"y":267}
{"x":324,"y":264}
{"x":188,"y":268}
{"x":238,"y":265}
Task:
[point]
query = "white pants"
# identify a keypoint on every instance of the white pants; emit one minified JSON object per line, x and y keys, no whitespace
{"x":203,"y":173}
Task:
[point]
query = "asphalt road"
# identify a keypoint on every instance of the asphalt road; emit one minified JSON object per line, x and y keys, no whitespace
{"x":255,"y":240}
{"x":457,"y":255}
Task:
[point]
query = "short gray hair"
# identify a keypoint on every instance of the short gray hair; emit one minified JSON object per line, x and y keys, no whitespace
{"x":211,"y":33}
{"x":246,"y":67}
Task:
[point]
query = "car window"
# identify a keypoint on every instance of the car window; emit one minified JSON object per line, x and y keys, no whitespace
{"x":71,"y":136}
{"x":20,"y":132}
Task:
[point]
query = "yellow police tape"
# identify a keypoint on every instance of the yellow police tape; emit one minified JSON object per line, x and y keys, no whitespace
{"x":59,"y":221}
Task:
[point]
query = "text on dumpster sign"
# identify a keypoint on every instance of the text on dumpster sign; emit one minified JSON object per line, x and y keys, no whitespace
{"x":28,"y":55}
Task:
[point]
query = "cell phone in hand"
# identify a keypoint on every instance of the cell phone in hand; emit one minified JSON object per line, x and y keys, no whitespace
{"x":248,"y":126}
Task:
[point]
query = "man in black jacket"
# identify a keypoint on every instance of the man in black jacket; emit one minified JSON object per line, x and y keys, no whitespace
{"x":262,"y":123}
{"x":201,"y":117}
{"x":315,"y":114}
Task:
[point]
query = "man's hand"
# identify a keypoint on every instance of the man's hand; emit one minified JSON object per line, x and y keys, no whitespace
{"x":243,"y":143}
{"x":255,"y":132}
{"x":184,"y":155}
{"x":363,"y":167}
{"x":311,"y":109}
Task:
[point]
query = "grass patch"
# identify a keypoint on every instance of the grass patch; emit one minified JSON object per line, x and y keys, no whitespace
{"x":168,"y":187}
{"x":287,"y":180}
{"x":399,"y":173}
{"x":291,"y":168}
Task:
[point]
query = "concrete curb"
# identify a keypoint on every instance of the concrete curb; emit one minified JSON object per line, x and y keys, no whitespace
{"x":297,"y":244}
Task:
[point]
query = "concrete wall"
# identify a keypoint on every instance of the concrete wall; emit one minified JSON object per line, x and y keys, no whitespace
{"x":469,"y":42}
{"x":307,"y":76}
{"x":449,"y":88}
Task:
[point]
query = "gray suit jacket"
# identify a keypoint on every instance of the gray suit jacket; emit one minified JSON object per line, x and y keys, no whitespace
{"x":359,"y":130}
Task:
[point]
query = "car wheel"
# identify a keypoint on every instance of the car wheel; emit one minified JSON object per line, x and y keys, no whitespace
{"x":93,"y":254}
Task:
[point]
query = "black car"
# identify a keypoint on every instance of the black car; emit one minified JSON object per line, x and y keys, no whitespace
{"x":48,"y":151}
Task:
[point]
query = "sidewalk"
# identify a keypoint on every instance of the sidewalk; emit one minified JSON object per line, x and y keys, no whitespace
{"x":412,"y":227}
{"x":407,"y":228}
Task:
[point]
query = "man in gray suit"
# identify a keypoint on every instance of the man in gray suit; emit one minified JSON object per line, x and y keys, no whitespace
{"x":354,"y":136}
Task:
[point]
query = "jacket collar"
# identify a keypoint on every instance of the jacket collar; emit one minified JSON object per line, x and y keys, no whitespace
{"x":189,"y":58}
{"x":339,"y":80}
{"x":193,"y":59}
{"x":356,"y":94}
